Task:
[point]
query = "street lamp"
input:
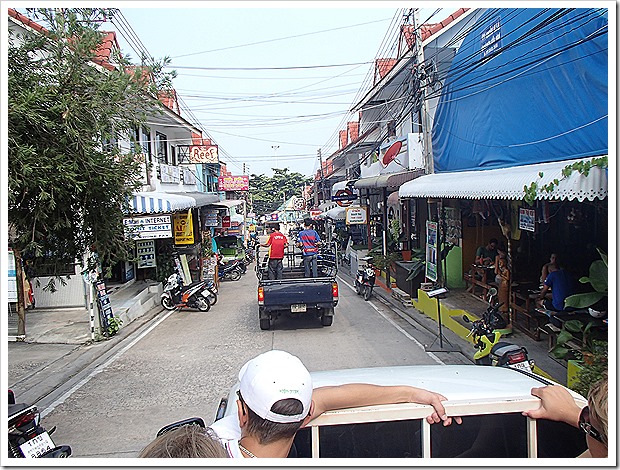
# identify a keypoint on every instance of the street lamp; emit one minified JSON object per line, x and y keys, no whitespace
{"x":275,"y":147}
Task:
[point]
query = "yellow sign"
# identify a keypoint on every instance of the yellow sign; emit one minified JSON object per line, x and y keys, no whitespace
{"x":183,"y":229}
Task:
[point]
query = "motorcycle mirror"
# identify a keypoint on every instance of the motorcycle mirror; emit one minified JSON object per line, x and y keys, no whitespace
{"x":492,"y":292}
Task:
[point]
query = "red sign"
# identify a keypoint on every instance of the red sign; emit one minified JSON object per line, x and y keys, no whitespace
{"x":226,"y":221}
{"x":391,"y":153}
{"x":203,"y":154}
{"x":344,"y":197}
{"x":315,"y":213}
{"x":233,"y":183}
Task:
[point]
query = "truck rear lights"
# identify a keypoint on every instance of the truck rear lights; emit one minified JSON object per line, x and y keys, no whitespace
{"x":335,"y":290}
{"x":261,"y":296}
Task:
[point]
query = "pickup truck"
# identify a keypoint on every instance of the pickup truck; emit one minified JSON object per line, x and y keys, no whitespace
{"x":295,"y":294}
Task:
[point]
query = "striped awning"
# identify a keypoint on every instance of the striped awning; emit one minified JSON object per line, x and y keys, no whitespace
{"x":508,"y":183}
{"x":152,"y":202}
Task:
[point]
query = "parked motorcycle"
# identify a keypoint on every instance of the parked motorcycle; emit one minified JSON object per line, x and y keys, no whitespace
{"x":365,"y":278}
{"x":175,"y":295}
{"x":490,"y":350}
{"x":231,"y":270}
{"x":211,"y":291}
{"x":27,"y":438}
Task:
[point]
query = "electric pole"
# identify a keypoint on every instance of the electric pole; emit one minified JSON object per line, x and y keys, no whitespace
{"x":321,"y":174}
{"x":423,"y":82}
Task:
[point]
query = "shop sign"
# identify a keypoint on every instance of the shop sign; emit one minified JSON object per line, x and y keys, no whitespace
{"x":431,"y":250}
{"x":314,"y":214}
{"x":233,"y":183}
{"x":274,"y":217}
{"x":12,"y":293}
{"x":145,"y":252}
{"x":183,"y":229}
{"x":211,"y":219}
{"x":226,"y":221}
{"x":344,"y":197}
{"x":356,"y":216}
{"x":527,"y":219}
{"x":169,"y":173}
{"x":188,"y":176}
{"x":203,"y":154}
{"x":148,"y":228}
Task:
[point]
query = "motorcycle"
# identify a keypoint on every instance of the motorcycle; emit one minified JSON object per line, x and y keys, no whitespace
{"x":365,"y":278}
{"x":175,"y":295}
{"x":27,"y":438}
{"x":230,"y":271}
{"x":490,"y":350}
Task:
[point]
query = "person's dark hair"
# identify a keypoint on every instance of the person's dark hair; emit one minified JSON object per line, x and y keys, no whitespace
{"x":189,"y":441}
{"x":493,"y":240}
{"x":276,"y":227}
{"x":267,"y":431}
{"x":308,"y":222}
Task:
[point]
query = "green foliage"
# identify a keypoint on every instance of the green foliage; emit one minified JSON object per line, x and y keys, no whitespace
{"x":592,"y":369}
{"x":269,"y":193}
{"x":68,"y":182}
{"x":597,"y":279}
{"x":418,"y":258}
{"x":583,"y":167}
{"x":114,"y":324}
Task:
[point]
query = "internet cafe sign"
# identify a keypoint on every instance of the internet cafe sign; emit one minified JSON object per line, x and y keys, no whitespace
{"x":148,"y":228}
{"x":233,"y":183}
{"x":203,"y":154}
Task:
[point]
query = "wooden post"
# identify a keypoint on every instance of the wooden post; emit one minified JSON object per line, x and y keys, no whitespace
{"x":21,"y":301}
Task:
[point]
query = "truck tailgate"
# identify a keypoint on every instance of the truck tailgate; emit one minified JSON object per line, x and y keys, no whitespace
{"x":311,"y":292}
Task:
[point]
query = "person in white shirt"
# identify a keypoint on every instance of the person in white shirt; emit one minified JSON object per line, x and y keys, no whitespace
{"x":276,"y":399}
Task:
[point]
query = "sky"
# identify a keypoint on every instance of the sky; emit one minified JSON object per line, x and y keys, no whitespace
{"x":270,"y":82}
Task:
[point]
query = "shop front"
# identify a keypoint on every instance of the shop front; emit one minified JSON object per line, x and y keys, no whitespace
{"x":471,"y":208}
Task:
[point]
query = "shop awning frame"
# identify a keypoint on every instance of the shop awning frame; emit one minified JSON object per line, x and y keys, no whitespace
{"x":227,"y":203}
{"x":153,"y":202}
{"x":202,"y":199}
{"x":509,"y":183}
{"x":388,"y":180}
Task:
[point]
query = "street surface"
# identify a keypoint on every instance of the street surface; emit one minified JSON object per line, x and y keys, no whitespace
{"x":183,"y":363}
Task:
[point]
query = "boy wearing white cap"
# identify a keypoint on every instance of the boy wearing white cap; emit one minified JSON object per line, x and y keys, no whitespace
{"x":276,"y":399}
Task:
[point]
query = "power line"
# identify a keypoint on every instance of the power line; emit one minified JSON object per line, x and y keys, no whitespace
{"x":277,"y":39}
{"x":292,"y":67}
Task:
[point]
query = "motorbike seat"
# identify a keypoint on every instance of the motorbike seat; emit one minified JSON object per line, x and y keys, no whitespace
{"x":502,"y":348}
{"x":18,"y":408}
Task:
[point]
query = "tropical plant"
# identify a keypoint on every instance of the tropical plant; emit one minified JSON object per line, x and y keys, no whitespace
{"x":68,"y":183}
{"x":572,"y":340}
{"x":592,"y":367}
{"x":597,"y":279}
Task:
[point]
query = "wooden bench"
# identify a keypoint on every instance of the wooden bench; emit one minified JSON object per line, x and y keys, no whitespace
{"x":473,"y":284}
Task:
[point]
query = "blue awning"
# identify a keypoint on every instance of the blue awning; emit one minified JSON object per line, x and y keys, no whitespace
{"x":152,"y":202}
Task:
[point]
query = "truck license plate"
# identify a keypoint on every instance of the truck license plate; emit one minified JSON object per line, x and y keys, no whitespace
{"x":298,"y":308}
{"x":521,"y":365}
{"x":37,"y":446}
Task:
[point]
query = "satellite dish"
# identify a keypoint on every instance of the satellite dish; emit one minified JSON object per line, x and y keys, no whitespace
{"x":391,"y":153}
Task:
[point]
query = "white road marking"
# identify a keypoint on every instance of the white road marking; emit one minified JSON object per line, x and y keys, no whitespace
{"x":101,"y":368}
{"x":399,"y":328}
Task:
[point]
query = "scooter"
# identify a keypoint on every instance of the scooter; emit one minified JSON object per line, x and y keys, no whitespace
{"x":176,"y":296}
{"x":365,"y":278}
{"x":490,"y":350}
{"x":27,"y":438}
{"x":231,"y":270}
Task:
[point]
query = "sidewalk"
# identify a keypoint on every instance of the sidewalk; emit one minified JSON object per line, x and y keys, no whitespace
{"x":58,"y":344}
{"x":458,"y":300}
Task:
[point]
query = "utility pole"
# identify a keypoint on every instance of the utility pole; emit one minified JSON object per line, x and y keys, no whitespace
{"x":429,"y":166}
{"x":245,"y":210}
{"x":321,"y":170}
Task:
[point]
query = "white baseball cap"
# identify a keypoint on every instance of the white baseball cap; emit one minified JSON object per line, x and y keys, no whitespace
{"x":273,"y":376}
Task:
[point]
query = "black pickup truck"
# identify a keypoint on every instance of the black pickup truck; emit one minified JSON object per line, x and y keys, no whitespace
{"x":295,"y":294}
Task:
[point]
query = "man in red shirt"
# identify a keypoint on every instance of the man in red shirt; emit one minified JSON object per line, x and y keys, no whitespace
{"x":277,"y":243}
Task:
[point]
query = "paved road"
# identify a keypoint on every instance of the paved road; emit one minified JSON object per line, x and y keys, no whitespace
{"x":183,"y":363}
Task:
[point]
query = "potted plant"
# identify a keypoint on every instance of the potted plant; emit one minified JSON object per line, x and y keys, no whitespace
{"x":598,"y":280}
